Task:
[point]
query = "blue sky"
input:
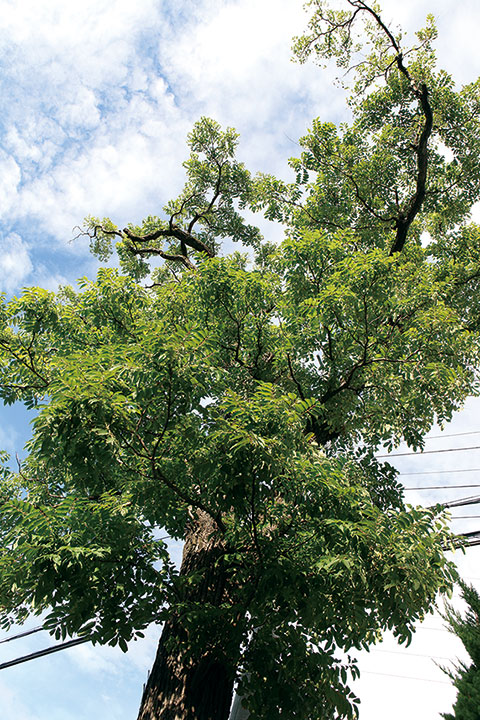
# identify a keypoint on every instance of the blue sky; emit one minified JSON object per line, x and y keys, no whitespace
{"x":97,"y":99}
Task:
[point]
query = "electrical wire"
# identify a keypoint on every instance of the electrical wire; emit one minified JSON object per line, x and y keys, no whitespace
{"x":374,"y":650}
{"x":404,"y":677}
{"x":472,"y":536}
{"x":440,"y":487}
{"x":471,"y":533}
{"x":428,"y":452}
{"x":437,"y":437}
{"x":459,"y":502}
{"x":22,"y":634}
{"x":45,"y":651}
{"x":439,"y":472}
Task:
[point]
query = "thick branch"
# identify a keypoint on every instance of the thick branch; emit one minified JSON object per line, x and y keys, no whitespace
{"x":405,"y":220}
{"x":406,"y":216}
{"x":173,"y":231}
{"x":361,"y":5}
{"x":216,"y":194}
{"x":166,"y":256}
{"x":185,"y":238}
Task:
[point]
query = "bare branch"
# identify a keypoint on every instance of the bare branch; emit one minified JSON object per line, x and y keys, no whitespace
{"x":165,"y":256}
{"x":405,"y":220}
{"x":95,"y":229}
{"x":299,"y":387}
{"x":216,"y":194}
{"x":180,"y":211}
{"x":174,"y":231}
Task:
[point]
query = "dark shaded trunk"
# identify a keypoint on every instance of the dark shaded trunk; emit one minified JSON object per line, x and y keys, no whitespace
{"x":198,"y":686}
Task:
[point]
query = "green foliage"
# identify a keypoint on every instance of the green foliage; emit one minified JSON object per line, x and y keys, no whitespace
{"x":256,"y":391}
{"x":363,"y":177}
{"x":466,"y":678}
{"x":213,"y":172}
{"x":206,"y":211}
{"x":161,"y":401}
{"x":101,"y":241}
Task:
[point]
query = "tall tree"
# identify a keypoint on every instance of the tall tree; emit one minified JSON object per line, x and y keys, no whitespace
{"x":466,"y":678}
{"x":236,"y":402}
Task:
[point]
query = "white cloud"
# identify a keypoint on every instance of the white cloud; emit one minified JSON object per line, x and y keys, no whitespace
{"x":12,"y":705}
{"x":235,"y":65}
{"x":9,"y":179}
{"x":92,"y":126}
{"x":78,"y":82}
{"x":96,"y":129}
{"x":94,"y":659}
{"x":82,"y":111}
{"x":8,"y":437}
{"x":118,"y":173}
{"x":15,"y":262}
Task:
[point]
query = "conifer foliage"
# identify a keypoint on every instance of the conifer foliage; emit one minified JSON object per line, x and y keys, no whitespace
{"x":466,"y":677}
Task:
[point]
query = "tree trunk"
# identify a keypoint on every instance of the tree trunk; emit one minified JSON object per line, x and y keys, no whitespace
{"x":199,"y":687}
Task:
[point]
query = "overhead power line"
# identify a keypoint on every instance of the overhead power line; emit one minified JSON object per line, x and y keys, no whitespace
{"x":45,"y":651}
{"x":404,"y":677}
{"x":374,"y":650}
{"x":428,"y":452}
{"x":459,"y":502}
{"x":440,"y":487}
{"x":467,"y":543}
{"x":449,"y":435}
{"x":439,"y":472}
{"x":474,"y":534}
{"x":22,"y":634}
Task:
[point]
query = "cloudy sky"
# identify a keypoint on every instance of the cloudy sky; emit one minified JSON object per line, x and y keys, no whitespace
{"x":96,"y":101}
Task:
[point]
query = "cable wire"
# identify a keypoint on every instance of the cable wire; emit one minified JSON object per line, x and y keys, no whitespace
{"x":459,"y":502}
{"x":374,"y":650}
{"x":428,"y":452}
{"x":440,"y":487}
{"x":439,"y":472}
{"x":45,"y":651}
{"x":404,"y":677}
{"x":437,"y":437}
{"x":22,"y":634}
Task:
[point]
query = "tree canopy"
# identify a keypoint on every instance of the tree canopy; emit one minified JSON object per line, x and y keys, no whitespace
{"x":236,"y":401}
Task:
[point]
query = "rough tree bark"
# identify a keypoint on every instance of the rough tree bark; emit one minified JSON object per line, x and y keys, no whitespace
{"x":182,"y":687}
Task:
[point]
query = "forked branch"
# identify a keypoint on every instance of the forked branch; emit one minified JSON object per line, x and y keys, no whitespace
{"x":406,"y":217}
{"x":334,"y":25}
